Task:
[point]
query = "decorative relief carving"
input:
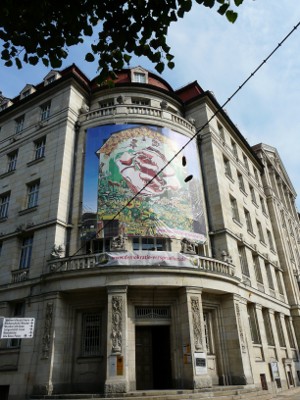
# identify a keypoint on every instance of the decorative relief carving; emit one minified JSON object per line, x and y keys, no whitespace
{"x":116,"y":332}
{"x":118,"y":243}
{"x":47,"y":331}
{"x":198,"y":343}
{"x":239,"y":321}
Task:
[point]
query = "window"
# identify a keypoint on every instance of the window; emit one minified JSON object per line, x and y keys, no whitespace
{"x":106,"y":103}
{"x":4,"y":203}
{"x":50,"y":79}
{"x":263,"y":206}
{"x":252,"y":318}
{"x":91,"y":334}
{"x":139,"y":77}
{"x":270,"y":239}
{"x":289,"y":332}
{"x":282,"y":218}
{"x":243,"y":260}
{"x":45,"y":111}
{"x":269,"y":275}
{"x":248,"y":220}
{"x":227,"y":167}
{"x":140,"y":101}
{"x":241,"y":182}
{"x":26,"y":93}
{"x":252,"y":192}
{"x":207,"y":319}
{"x":26,"y":251}
{"x":33,"y":194}
{"x":221,"y":132}
{"x":39,"y":148}
{"x":260,"y":232}
{"x":256,"y":174}
{"x":19,"y":124}
{"x":246,"y":164}
{"x":279,"y":281}
{"x":12,"y":161}
{"x":149,"y":243}
{"x":268,"y":327}
{"x":279,"y":330}
{"x":257,"y":268}
{"x":234,"y":209}
{"x":234,"y":148}
{"x":111,"y":228}
{"x":18,"y":311}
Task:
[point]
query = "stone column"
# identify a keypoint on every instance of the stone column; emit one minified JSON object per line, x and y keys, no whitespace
{"x":201,"y":377}
{"x":117,"y":364}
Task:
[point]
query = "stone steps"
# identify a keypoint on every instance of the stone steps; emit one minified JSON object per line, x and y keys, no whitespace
{"x":217,"y":393}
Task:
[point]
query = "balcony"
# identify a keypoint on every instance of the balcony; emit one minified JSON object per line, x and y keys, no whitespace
{"x":153,"y":259}
{"x":19,"y":275}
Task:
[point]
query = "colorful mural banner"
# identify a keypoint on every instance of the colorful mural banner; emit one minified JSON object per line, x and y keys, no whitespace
{"x":130,"y":182}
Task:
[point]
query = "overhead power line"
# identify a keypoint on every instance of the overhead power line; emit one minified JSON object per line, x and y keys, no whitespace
{"x":220,"y":108}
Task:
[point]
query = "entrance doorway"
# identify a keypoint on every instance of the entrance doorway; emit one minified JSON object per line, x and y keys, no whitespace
{"x":153,"y":357}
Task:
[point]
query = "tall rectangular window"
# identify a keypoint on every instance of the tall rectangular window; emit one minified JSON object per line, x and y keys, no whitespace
{"x":257,"y":268}
{"x":91,"y":334}
{"x":19,"y":124}
{"x":4,"y":203}
{"x":207,"y":319}
{"x":246,"y":164}
{"x":33,"y":194}
{"x":45,"y":111}
{"x":268,"y":327}
{"x":279,"y":329}
{"x":248,"y":220}
{"x":290,"y":332}
{"x":252,"y":193}
{"x":227,"y":167}
{"x":234,"y":148}
{"x":279,"y":281}
{"x":221,"y":132}
{"x":39,"y":148}
{"x":270,"y":239}
{"x":234,"y":209}
{"x":12,"y":161}
{"x":26,"y":251}
{"x":260,"y":232}
{"x":254,"y":329}
{"x":243,"y":260}
{"x":269,"y":275}
{"x":241,"y":182}
{"x":263,"y":206}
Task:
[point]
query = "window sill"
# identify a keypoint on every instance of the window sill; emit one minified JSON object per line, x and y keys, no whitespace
{"x":255,"y":204}
{"x":243,"y":191}
{"x":33,"y":162}
{"x":263,"y":243}
{"x":8,"y":173}
{"x":237,"y":222}
{"x":28,"y":210}
{"x":229,"y":177}
{"x":3,"y":219}
{"x":251,"y":234}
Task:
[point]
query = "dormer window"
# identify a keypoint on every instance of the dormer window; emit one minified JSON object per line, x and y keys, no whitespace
{"x":27,"y":91}
{"x":51,"y":77}
{"x":139,"y":75}
{"x":5,"y":104}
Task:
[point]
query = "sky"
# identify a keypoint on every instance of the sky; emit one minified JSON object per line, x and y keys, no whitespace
{"x":220,"y":56}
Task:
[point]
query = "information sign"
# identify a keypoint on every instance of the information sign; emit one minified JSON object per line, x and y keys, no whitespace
{"x":17,"y":328}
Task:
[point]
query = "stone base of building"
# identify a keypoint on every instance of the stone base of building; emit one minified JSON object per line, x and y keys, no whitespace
{"x":202,"y":381}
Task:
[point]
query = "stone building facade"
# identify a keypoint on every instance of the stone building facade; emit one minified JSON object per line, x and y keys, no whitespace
{"x":142,"y":271}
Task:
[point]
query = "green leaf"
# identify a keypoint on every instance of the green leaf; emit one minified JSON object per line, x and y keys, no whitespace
{"x":18,"y":63}
{"x":160,"y":67}
{"x":231,"y":16}
{"x":222,"y":10}
{"x":8,"y":63}
{"x":89,"y":57}
{"x":33,"y":60}
{"x":238,"y":2}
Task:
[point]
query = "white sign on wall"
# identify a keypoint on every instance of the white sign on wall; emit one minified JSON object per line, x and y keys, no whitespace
{"x":17,"y":328}
{"x":200,"y":363}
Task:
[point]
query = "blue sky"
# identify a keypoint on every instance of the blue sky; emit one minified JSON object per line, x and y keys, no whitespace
{"x":220,"y":56}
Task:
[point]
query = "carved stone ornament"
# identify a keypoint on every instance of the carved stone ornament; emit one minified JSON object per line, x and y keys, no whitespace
{"x":47,"y":331}
{"x":198,"y":343}
{"x":116,"y":331}
{"x":187,"y":246}
{"x":239,"y":321}
{"x":58,"y":251}
{"x":117,"y":243}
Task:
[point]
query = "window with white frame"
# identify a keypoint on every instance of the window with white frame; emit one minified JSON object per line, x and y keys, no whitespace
{"x":19,"y":124}
{"x":260,"y":231}
{"x":268,"y":327}
{"x":227,"y":167}
{"x":45,"y":111}
{"x":139,"y":77}
{"x":253,"y":324}
{"x":241,"y":181}
{"x":270,"y":239}
{"x":149,"y":243}
{"x":279,"y":329}
{"x":263,"y":205}
{"x":243,"y":260}
{"x":246,"y":164}
{"x":234,"y":148}
{"x":208,"y":330}
{"x":39,"y":148}
{"x":33,"y":194}
{"x":221,"y":131}
{"x":257,"y":268}
{"x":12,"y":161}
{"x":91,"y":334}
{"x":26,"y":252}
{"x":252,"y":193}
{"x":248,"y":221}
{"x":4,"y":203}
{"x":234,"y":208}
{"x":269,"y":275}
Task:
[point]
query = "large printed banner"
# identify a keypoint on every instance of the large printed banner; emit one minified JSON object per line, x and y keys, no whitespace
{"x":129,"y":178}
